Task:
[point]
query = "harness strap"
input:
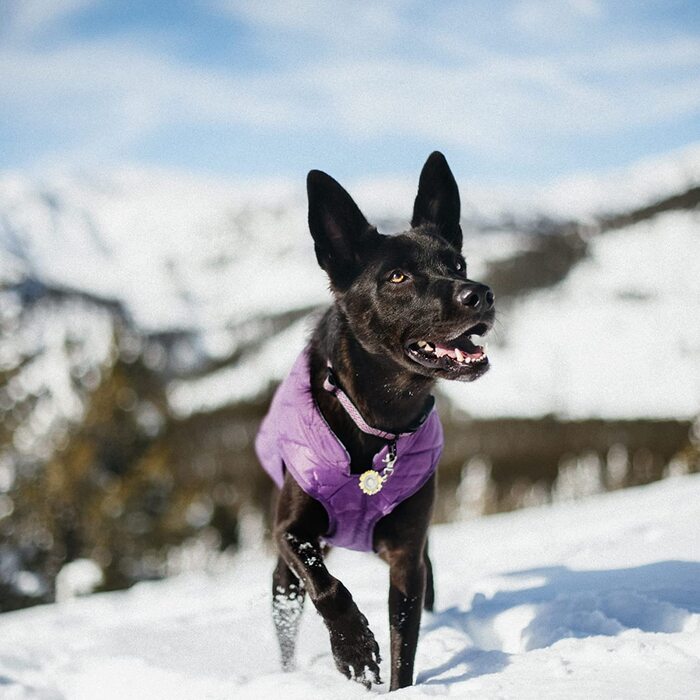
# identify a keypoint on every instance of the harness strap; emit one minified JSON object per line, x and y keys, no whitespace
{"x":330,"y":386}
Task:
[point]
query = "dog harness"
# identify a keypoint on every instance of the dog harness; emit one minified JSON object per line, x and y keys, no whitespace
{"x":295,"y":436}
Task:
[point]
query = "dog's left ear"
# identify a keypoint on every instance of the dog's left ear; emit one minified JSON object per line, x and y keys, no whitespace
{"x":340,"y":231}
{"x":437,"y":203}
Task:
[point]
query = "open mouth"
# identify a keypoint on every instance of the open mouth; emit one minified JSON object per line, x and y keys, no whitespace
{"x":456,"y":355}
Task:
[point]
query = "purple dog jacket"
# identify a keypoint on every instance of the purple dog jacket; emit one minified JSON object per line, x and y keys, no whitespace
{"x":294,"y":435}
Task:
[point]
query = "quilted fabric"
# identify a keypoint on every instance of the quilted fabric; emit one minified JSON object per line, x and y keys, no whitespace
{"x":294,"y":435}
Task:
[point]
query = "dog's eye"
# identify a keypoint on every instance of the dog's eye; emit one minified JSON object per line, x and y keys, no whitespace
{"x":397,"y":277}
{"x":459,"y":266}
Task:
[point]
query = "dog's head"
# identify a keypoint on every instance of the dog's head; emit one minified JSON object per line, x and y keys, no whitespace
{"x":406,"y":296}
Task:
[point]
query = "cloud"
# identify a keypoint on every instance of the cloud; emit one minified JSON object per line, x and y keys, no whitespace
{"x":540,"y":18}
{"x":328,"y":20}
{"x":108,"y":95}
{"x":361,"y":75}
{"x":25,"y":19}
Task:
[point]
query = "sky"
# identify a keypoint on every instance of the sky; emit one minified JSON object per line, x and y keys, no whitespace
{"x":511,"y":91}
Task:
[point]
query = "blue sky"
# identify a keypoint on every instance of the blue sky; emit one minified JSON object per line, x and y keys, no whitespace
{"x":518,"y":91}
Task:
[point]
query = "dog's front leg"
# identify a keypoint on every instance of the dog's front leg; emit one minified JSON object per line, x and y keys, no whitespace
{"x":401,"y":540}
{"x":300,"y":523}
{"x":407,"y":576}
{"x":355,"y":650}
{"x":287,"y":605}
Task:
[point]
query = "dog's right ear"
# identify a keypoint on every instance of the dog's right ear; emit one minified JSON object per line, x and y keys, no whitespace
{"x":340,"y":231}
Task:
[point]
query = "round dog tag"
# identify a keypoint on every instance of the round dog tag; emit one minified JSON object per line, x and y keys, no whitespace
{"x":371,"y":482}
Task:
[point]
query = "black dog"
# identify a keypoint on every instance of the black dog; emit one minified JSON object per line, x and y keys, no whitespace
{"x":403,"y":317}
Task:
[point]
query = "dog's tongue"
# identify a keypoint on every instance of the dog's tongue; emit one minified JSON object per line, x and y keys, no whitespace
{"x":442,"y":350}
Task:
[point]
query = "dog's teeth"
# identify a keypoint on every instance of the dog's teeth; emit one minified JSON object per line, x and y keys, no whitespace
{"x":422,"y":343}
{"x":460,"y":357}
{"x":429,"y":347}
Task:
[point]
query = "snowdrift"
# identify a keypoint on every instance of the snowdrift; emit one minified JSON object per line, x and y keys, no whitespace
{"x":598,"y":598}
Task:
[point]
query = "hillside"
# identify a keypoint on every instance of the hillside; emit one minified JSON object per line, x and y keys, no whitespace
{"x":216,"y":270}
{"x":599,"y":598}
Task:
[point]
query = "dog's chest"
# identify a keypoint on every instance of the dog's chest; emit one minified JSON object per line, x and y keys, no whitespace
{"x":295,"y":437}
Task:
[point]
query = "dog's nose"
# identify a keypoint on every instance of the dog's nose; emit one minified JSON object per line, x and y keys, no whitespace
{"x":476,"y":296}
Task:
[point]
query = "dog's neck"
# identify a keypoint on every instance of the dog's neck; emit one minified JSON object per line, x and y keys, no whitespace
{"x":388,"y":396}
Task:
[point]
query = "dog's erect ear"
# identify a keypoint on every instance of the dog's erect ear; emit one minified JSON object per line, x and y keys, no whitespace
{"x":340,"y":231}
{"x":437,"y":202}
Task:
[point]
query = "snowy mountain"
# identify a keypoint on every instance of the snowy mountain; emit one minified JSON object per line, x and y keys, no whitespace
{"x":619,"y":337}
{"x":218,"y":262}
{"x":598,"y":598}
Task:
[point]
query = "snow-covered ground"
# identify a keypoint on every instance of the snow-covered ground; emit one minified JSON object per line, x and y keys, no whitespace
{"x":591,"y":599}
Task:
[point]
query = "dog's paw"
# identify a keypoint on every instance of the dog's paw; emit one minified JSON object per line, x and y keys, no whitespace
{"x":355,"y":650}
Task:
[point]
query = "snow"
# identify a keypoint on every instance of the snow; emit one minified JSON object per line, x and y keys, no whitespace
{"x":593,"y":598}
{"x":54,"y":351}
{"x":577,"y":196}
{"x":244,"y":380}
{"x":77,"y":578}
{"x":178,"y":251}
{"x":618,"y":338}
